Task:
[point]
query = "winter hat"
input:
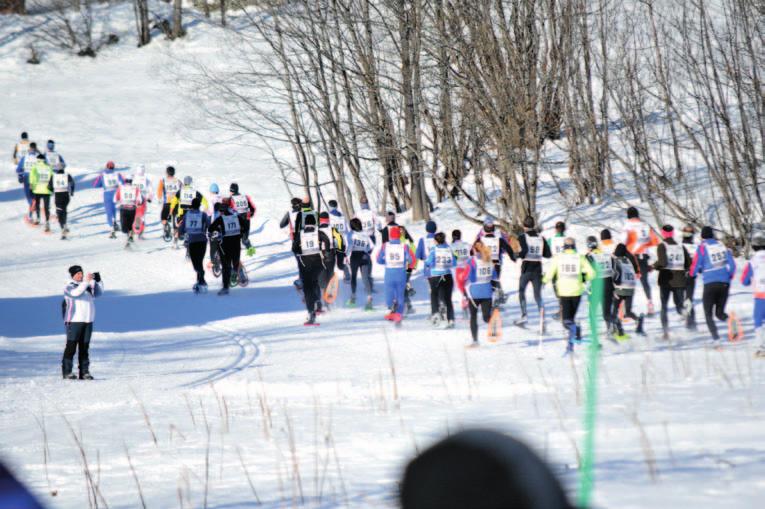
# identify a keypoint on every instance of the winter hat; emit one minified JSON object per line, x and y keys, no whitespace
{"x":488,"y":221}
{"x":51,"y":144}
{"x":309,"y":220}
{"x":391,"y":216}
{"x":170,"y":171}
{"x":480,"y":468}
{"x":632,"y":213}
{"x":529,"y":222}
{"x":560,"y":226}
{"x":430,"y":227}
{"x":233,"y":188}
{"x":667,"y":231}
{"x":332,"y":204}
{"x":356,"y":224}
{"x":440,"y":238}
{"x":187,"y":180}
{"x":32,"y":146}
{"x":707,"y":233}
{"x":24,"y":136}
{"x":456,"y":235}
{"x":605,"y":234}
{"x":394,"y":233}
{"x":592,"y":242}
{"x":569,"y":243}
{"x":74,"y":269}
{"x":214,"y":188}
{"x":324,"y":218}
{"x":621,"y":250}
{"x":109,"y":165}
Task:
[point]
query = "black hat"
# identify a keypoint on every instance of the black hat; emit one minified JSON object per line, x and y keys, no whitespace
{"x":332,"y":203}
{"x":456,"y":235}
{"x":324,"y":215}
{"x":195,"y":203}
{"x":605,"y":234}
{"x":529,"y":222}
{"x":74,"y":269}
{"x":310,"y":220}
{"x":707,"y":233}
{"x":233,"y":188}
{"x":632,"y":213}
{"x":668,"y":228}
{"x":560,"y":226}
{"x":295,"y":201}
{"x":592,"y":242}
{"x":170,"y":171}
{"x":24,"y":135}
{"x":41,"y":156}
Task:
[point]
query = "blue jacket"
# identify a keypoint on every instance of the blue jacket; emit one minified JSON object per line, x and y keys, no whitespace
{"x":430,"y":262}
{"x":421,"y":253}
{"x":99,"y":181}
{"x":194,"y":224}
{"x":60,"y":160}
{"x":720,"y":270}
{"x":398,"y":273}
{"x":475,"y":289}
{"x":20,"y":166}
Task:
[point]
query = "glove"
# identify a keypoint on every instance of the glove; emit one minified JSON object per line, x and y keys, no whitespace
{"x":251,"y":251}
{"x":97,"y":277}
{"x":21,"y":178}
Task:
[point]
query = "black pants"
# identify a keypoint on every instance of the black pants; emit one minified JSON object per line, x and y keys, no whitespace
{"x":197,"y":254}
{"x":441,"y":288}
{"x":230,"y":251}
{"x":485,"y":306}
{"x":45,"y":199}
{"x":164,"y":214}
{"x":310,"y":270}
{"x":715,"y":297}
{"x":77,"y":339}
{"x":568,"y":309}
{"x":498,"y":268}
{"x":608,"y":299}
{"x":690,"y":288}
{"x":628,"y":313}
{"x":677,"y":297}
{"x":535,"y":278}
{"x":214,"y":248}
{"x":62,"y":202}
{"x":127,"y":217}
{"x":361,"y":260}
{"x":245,"y":230}
{"x":340,"y":260}
{"x":643,"y":266}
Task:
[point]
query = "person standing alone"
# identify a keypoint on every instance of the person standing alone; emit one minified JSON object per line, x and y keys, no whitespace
{"x":79,"y":313}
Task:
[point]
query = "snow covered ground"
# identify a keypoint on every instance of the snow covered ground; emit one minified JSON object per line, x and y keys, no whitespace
{"x":231,"y":402}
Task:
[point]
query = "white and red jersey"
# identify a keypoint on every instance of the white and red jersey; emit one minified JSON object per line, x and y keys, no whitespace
{"x":638,"y":236}
{"x":128,"y":196}
{"x":242,"y":204}
{"x":143,"y":183}
{"x":754,"y":274}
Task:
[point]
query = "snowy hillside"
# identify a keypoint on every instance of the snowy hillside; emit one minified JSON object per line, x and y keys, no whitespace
{"x":207,"y":401}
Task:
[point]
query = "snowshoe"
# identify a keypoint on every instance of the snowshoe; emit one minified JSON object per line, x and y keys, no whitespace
{"x":521,"y":322}
{"x":450,"y":324}
{"x":70,"y":376}
{"x":396,"y":318}
{"x":112,"y":234}
{"x":351,"y":303}
{"x":243,"y":279}
{"x":167,"y":232}
{"x":409,"y":309}
{"x":569,"y":349}
{"x":223,"y":291}
{"x":368,"y":306}
{"x":203,"y":288}
{"x":195,"y":288}
{"x":434,"y":319}
{"x":86,"y":376}
{"x":216,"y":268}
{"x":311,"y":320}
{"x":621,"y":336}
{"x":389,"y":316}
{"x":473,"y":344}
{"x":47,"y":227}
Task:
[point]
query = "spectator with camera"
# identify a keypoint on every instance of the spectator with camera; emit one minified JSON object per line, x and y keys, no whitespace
{"x":79,"y":312}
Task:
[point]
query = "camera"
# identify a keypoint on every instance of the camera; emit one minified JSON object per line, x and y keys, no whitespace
{"x":97,"y":277}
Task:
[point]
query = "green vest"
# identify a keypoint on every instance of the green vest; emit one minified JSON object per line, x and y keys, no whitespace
{"x":39,"y":177}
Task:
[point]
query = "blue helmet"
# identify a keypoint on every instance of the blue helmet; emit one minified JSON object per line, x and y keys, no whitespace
{"x":214,"y":188}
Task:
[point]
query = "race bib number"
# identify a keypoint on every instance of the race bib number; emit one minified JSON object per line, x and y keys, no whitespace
{"x":493,"y":244}
{"x":43,"y":175}
{"x":172,"y":187}
{"x":128,"y":195}
{"x":337,"y":223}
{"x":461,"y":250}
{"x":394,"y":256}
{"x":309,"y":243}
{"x":444,"y":258}
{"x":111,"y":180}
{"x":717,"y":255}
{"x":60,"y":182}
{"x":360,"y":242}
{"x":29,"y":160}
{"x":429,"y":244}
{"x":643,"y":234}
{"x":187,"y":195}
{"x":675,"y":257}
{"x":140,"y":183}
{"x":53,"y":159}
{"x":193,"y":223}
{"x":570,"y":266}
{"x":230,"y":226}
{"x":534,"y":249}
{"x":556,"y":243}
{"x":628,"y":275}
{"x":603,"y":261}
{"x":241,"y":205}
{"x":483,"y":271}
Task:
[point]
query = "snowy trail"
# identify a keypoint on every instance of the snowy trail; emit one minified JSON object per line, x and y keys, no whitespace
{"x":202,"y":387}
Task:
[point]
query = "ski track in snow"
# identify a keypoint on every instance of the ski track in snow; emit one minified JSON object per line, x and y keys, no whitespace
{"x":317,"y":414}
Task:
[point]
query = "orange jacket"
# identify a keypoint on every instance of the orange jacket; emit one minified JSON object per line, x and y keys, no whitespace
{"x":638,"y":236}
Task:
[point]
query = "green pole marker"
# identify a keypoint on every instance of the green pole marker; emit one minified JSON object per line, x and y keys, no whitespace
{"x":586,"y":481}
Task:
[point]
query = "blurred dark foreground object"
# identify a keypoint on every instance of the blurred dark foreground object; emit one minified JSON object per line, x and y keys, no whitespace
{"x":480,"y":469}
{"x":13,"y":494}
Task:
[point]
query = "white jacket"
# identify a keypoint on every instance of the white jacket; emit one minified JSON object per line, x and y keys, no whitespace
{"x":78,"y":301}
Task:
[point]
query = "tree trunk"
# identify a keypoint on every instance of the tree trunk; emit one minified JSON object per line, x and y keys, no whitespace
{"x":223,"y":12}
{"x":142,"y":22}
{"x":12,"y":7}
{"x":177,"y":19}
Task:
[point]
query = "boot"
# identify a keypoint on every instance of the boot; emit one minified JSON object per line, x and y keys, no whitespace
{"x":86,"y":376}
{"x":70,"y":376}
{"x":368,"y":306}
{"x":639,"y":329}
{"x":223,"y":291}
{"x":351,"y":303}
{"x":47,"y":226}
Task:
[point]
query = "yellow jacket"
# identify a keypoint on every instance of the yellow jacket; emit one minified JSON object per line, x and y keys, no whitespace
{"x":39,"y":177}
{"x":570,"y":271}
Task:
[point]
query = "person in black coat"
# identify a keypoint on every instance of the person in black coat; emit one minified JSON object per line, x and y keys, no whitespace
{"x":310,"y":246}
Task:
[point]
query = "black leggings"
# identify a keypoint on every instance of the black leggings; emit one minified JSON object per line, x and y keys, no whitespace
{"x":197,"y":254}
{"x":127,"y":217}
{"x":643,"y":266}
{"x":309,"y":275}
{"x":677,"y":297}
{"x":45,"y":199}
{"x":608,"y":299}
{"x":485,"y":305}
{"x":568,"y":309}
{"x":361,"y":260}
{"x":230,"y":252}
{"x":62,"y":202}
{"x":441,"y":288}
{"x":715,"y":297}
{"x":535,"y":278}
{"x":690,"y":287}
{"x":77,"y":340}
{"x":245,"y":230}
